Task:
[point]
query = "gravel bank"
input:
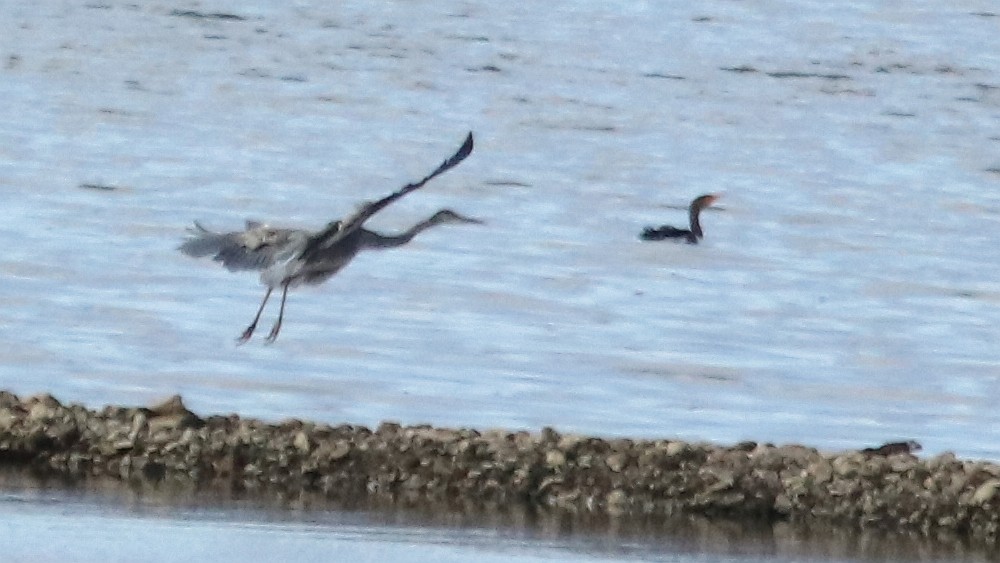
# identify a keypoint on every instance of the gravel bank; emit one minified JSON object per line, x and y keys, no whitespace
{"x":875,"y":489}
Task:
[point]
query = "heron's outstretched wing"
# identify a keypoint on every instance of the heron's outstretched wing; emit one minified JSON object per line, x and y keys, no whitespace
{"x":340,"y":229}
{"x":256,"y":248}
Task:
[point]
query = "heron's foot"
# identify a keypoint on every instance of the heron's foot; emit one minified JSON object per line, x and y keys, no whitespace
{"x":273,"y":335}
{"x":246,"y":335}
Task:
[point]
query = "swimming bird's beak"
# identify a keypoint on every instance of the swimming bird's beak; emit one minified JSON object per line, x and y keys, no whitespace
{"x":707,"y":200}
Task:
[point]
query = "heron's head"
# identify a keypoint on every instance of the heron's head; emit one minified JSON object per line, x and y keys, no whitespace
{"x":449,"y":216}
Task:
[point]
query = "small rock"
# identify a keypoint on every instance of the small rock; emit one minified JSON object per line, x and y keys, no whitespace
{"x":173,"y":405}
{"x":44,"y":399}
{"x":941,"y":461}
{"x":388,"y":428}
{"x":721,"y":479}
{"x":555,"y":458}
{"x":846,"y":465}
{"x":616,"y":462}
{"x":123,"y":445}
{"x":8,"y":399}
{"x":821,"y":471}
{"x":169,"y":423}
{"x":570,"y":441}
{"x":138,"y":423}
{"x":676,"y":448}
{"x":40,"y":411}
{"x":340,"y":450}
{"x":302,"y":442}
{"x":7,"y":418}
{"x":902,"y":463}
{"x":550,"y":435}
{"x":985,"y":492}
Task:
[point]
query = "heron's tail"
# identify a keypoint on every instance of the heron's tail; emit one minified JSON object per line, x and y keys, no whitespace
{"x":202,"y":242}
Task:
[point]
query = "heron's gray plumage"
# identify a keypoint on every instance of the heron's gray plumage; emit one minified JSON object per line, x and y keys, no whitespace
{"x":256,"y":248}
{"x":289,"y":257}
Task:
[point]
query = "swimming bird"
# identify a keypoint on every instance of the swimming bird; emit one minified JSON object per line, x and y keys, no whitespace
{"x":691,"y":235}
{"x":290,"y":257}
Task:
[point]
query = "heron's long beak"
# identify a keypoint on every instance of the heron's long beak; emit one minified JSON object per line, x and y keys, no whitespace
{"x":458,"y":217}
{"x":472,"y":220}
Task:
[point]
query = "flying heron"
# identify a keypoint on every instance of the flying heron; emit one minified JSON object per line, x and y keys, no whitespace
{"x":290,"y":257}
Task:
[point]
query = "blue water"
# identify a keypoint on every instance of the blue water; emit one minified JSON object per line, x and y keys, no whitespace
{"x":43,"y":523}
{"x":846,"y":292}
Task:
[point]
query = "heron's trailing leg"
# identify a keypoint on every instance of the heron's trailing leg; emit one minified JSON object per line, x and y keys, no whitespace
{"x":281,"y":314}
{"x":253,"y":326}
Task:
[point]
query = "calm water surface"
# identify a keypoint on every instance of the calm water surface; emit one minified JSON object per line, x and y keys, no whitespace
{"x":846,"y":293}
{"x":88,"y":524}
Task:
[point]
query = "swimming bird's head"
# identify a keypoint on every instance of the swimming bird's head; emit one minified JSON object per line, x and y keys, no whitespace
{"x":703,"y":201}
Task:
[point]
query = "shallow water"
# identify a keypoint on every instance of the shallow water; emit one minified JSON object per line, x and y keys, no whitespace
{"x":846,"y":293}
{"x":108,"y":522}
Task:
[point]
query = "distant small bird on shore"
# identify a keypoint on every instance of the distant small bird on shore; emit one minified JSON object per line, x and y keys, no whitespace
{"x":289,"y":257}
{"x":693,"y":235}
{"x":893,"y":448}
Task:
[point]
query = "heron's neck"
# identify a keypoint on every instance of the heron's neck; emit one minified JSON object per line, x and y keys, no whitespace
{"x":392,"y":241}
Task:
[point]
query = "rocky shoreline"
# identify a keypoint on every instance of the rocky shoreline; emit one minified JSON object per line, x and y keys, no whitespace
{"x":877,"y":489}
